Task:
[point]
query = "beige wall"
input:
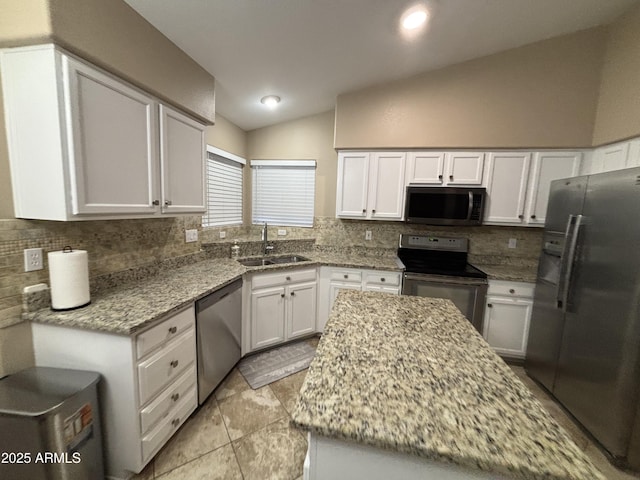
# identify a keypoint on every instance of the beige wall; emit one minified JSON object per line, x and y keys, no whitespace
{"x":113,"y":36}
{"x":227,"y":136}
{"x":306,"y":138}
{"x":539,"y":95}
{"x":618,"y":115}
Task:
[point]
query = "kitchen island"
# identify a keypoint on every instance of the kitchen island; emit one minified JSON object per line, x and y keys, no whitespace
{"x":404,"y":387}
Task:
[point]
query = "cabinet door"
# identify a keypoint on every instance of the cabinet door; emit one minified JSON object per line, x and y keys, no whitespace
{"x":508,"y":172}
{"x":464,"y":168}
{"x":182,"y":154}
{"x":546,"y":167}
{"x":301,"y":310}
{"x":353,"y":181}
{"x":506,"y":325}
{"x":633,"y":158}
{"x":112,"y":143}
{"x":267,"y":317}
{"x":386,"y":187}
{"x":425,"y":168}
{"x":612,"y":157}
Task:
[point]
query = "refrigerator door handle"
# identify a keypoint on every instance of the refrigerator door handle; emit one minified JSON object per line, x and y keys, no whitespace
{"x":563,"y":262}
{"x":570,"y":260}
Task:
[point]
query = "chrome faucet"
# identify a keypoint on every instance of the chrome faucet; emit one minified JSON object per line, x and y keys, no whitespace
{"x":266,"y":248}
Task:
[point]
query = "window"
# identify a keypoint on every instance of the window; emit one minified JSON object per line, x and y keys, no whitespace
{"x":224,"y":188}
{"x":284,"y":192}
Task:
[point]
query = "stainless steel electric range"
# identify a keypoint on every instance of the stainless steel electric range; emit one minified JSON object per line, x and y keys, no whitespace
{"x":438,"y":267}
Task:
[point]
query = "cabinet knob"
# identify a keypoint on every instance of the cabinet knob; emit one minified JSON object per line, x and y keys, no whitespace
{"x":520,"y":217}
{"x":156,"y":202}
{"x":533,"y":216}
{"x":282,"y":295}
{"x":173,"y":329}
{"x":373,"y":211}
{"x":288,"y":278}
{"x":293,"y":293}
{"x":175,"y":422}
{"x":174,"y":363}
{"x":511,"y":290}
{"x":382,"y":279}
{"x":167,"y":202}
{"x":364,"y":210}
{"x":175,"y":397}
{"x":439,"y":177}
{"x":346,"y":276}
{"x":450,"y":177}
{"x":490,"y":305}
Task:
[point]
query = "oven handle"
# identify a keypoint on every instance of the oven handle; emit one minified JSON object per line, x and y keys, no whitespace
{"x":444,"y":280}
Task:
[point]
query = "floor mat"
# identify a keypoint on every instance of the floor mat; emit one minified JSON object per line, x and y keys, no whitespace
{"x":267,"y":367}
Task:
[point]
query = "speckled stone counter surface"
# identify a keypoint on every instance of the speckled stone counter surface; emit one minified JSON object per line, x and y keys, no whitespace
{"x":134,"y":305}
{"x":515,"y":273}
{"x":412,"y":375}
{"x":131,"y":307}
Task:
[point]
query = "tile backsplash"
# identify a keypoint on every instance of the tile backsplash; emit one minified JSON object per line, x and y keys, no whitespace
{"x":123,"y":250}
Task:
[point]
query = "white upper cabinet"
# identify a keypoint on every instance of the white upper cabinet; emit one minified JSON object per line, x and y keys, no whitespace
{"x":506,"y":188}
{"x":113,"y":143}
{"x":182,"y":159}
{"x":546,"y":167}
{"x":445,"y":168}
{"x":633,"y":159}
{"x":612,"y":157}
{"x":371,"y":185}
{"x":464,"y":168}
{"x":95,"y":142}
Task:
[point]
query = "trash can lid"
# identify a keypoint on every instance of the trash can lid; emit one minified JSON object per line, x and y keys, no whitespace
{"x":39,"y":390}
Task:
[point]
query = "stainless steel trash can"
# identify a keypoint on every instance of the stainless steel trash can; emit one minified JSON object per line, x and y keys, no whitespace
{"x":50,"y":425}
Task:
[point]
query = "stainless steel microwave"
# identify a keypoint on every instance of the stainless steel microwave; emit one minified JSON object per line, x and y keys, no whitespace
{"x":444,"y":205}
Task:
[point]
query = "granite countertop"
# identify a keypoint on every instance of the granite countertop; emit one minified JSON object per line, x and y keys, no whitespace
{"x":514,"y":273}
{"x":134,"y":306}
{"x":411,"y":374}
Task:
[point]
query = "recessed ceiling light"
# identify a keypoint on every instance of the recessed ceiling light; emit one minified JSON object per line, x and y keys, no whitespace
{"x":414,"y":18}
{"x":270,"y":101}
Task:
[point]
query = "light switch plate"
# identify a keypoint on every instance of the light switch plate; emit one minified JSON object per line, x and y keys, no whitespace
{"x":191,"y":235}
{"x":223,"y":234}
{"x":282,"y":232}
{"x":513,"y":243}
{"x":368,"y":235}
{"x":33,"y":259}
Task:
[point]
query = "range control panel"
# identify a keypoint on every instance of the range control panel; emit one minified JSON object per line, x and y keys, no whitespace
{"x":430,"y":242}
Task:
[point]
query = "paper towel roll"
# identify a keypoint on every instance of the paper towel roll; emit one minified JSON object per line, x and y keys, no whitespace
{"x":69,"y":278}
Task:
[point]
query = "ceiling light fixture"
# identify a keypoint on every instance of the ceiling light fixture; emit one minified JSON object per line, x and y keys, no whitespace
{"x":414,"y":18}
{"x":270,"y":101}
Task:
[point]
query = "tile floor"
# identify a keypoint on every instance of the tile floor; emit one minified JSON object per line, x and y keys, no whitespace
{"x":240,"y":433}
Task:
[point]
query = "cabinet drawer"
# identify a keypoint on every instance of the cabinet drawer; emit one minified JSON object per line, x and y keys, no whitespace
{"x":168,"y":400}
{"x":152,"y":442}
{"x":346,"y":275}
{"x":168,"y":329}
{"x":282,"y":278}
{"x":511,"y":289}
{"x":166,"y":365}
{"x":383,"y":278}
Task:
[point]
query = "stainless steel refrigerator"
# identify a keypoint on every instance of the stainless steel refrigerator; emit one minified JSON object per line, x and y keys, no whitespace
{"x":584,"y":338}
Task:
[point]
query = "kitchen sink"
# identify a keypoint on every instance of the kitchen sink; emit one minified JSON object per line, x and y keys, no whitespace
{"x":260,"y":262}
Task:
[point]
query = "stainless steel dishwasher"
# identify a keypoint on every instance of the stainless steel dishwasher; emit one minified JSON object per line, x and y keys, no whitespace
{"x":219,"y":328}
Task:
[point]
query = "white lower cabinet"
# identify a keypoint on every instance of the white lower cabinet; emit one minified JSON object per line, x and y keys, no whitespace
{"x":507,"y":317}
{"x":148,"y":387}
{"x":282,"y":306}
{"x":334,"y":279}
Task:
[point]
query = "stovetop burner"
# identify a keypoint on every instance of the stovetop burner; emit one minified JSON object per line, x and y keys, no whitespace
{"x":429,"y":255}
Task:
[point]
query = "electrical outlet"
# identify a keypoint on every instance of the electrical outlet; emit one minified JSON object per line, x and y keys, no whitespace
{"x":282,"y":232}
{"x":513,"y":243}
{"x":191,"y":236}
{"x":367,"y":235}
{"x":223,"y":234}
{"x":32,"y":259}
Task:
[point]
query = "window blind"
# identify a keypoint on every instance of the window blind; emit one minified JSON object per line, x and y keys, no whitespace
{"x":284,"y":192}
{"x":224,"y":192}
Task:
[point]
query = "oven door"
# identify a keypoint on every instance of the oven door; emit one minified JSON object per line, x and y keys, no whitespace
{"x":467,"y":294}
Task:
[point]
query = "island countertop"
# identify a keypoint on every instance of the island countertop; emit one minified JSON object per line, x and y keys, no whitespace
{"x":411,"y":374}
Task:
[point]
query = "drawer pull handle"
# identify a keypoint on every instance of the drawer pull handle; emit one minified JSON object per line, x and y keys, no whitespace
{"x":511,"y":290}
{"x":490,"y":305}
{"x":174,"y":363}
{"x":293,"y":293}
{"x":173,"y":329}
{"x":288,"y":278}
{"x":175,"y":397}
{"x":533,"y":216}
{"x":175,"y":422}
{"x":382,"y":279}
{"x":346,"y":276}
